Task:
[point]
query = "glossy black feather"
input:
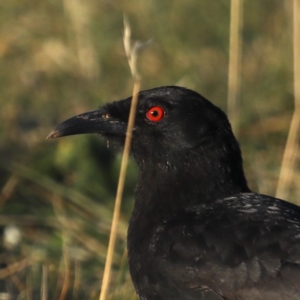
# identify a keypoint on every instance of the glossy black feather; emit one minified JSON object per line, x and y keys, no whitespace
{"x":197,"y":231}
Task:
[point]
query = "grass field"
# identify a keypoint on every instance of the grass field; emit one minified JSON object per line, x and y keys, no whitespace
{"x":61,"y":58}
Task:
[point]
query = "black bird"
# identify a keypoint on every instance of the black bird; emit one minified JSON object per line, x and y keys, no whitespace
{"x":197,"y":231}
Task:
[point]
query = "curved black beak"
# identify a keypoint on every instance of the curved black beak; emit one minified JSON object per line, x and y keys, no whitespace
{"x":96,"y":121}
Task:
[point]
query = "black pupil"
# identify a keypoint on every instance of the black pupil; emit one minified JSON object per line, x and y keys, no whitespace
{"x":154,"y":113}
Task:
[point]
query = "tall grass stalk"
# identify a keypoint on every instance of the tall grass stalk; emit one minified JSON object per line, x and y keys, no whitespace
{"x":234,"y":67}
{"x":291,"y":149}
{"x":44,"y":287}
{"x":67,"y":270}
{"x":131,"y":55}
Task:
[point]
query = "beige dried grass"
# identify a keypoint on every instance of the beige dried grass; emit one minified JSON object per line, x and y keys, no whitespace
{"x":234,"y":68}
{"x":292,"y":145}
{"x":79,"y":14}
{"x":131,"y":53}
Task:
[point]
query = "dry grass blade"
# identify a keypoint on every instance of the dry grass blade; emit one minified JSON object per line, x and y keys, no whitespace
{"x":67,"y":272}
{"x":13,"y":268}
{"x":8,"y":189}
{"x":291,"y":148}
{"x":234,"y":62}
{"x":73,"y":227}
{"x":44,"y":287}
{"x":131,"y":53}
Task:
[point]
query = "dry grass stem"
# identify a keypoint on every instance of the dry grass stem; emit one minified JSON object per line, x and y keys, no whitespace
{"x":18,"y":283}
{"x":234,"y":68}
{"x":66,"y":274}
{"x":44,"y":287}
{"x":8,"y":189}
{"x":131,"y":50}
{"x":74,"y":228}
{"x":131,"y":55}
{"x":292,"y":145}
{"x":13,"y":268}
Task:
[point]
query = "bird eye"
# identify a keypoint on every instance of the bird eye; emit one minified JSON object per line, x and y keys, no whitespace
{"x":155,"y":113}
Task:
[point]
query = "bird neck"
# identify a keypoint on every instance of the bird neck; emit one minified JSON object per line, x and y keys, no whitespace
{"x":167,"y":187}
{"x":187,"y":179}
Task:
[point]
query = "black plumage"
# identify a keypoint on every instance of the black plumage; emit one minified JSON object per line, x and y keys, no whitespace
{"x":197,"y":231}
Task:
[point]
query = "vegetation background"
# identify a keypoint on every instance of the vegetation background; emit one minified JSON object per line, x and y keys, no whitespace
{"x":61,"y":58}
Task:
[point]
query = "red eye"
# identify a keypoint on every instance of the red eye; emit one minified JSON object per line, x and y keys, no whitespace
{"x":155,"y":113}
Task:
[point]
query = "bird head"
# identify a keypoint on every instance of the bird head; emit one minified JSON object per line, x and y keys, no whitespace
{"x":168,"y":115}
{"x":172,"y":124}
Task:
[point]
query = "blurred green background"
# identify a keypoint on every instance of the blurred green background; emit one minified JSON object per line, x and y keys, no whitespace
{"x":61,"y":58}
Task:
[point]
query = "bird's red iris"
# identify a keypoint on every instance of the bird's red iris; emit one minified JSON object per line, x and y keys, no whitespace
{"x":155,"y":113}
